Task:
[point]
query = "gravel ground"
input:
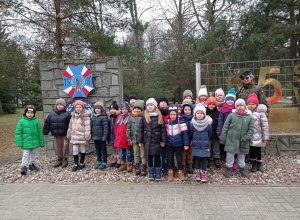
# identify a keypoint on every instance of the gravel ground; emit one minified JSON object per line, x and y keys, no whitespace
{"x":279,"y":170}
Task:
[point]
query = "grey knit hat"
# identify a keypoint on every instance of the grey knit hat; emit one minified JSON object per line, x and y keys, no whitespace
{"x":125,"y":104}
{"x":139,"y":104}
{"x":240,"y":102}
{"x":152,"y":101}
{"x":61,"y":101}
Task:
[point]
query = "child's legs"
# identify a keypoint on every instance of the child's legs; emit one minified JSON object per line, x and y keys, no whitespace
{"x":25,"y":158}
{"x":222,"y":151}
{"x":183,"y":154}
{"x":241,"y":160}
{"x":157,"y":160}
{"x":66,"y":149}
{"x":229,"y":159}
{"x":59,"y":144}
{"x":82,"y":149}
{"x":33,"y":155}
{"x":171,"y":151}
{"x":178,"y":153}
{"x":215,"y":148}
{"x":129,"y":155}
{"x":252,"y":153}
{"x":189,"y":157}
{"x":258,"y":154}
{"x":150,"y":160}
{"x":98,"y":149}
{"x":142,"y":154}
{"x":164,"y":155}
{"x":123,"y":154}
{"x":204,"y":163}
{"x":197,"y":161}
{"x":75,"y":149}
{"x":104,"y":151}
{"x":136,"y":151}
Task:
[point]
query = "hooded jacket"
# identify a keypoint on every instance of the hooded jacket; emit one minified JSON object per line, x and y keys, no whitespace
{"x":99,"y":125}
{"x":174,"y":138}
{"x":57,"y":122}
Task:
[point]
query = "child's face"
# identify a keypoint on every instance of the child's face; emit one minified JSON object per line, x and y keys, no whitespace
{"x":240,"y":108}
{"x":137,"y":110}
{"x":173,"y":116}
{"x":60,"y":106}
{"x":229,"y":102}
{"x":163,"y":105}
{"x":179,"y":111}
{"x":203,"y":98}
{"x":187,"y":110}
{"x":113,"y":111}
{"x":189,"y":98}
{"x":97,"y":110}
{"x":29,"y":114}
{"x":199,"y":115}
{"x":78,"y":109}
{"x":211,"y":106}
{"x":124,"y":110}
{"x":252,"y":106}
{"x":220,"y":98}
{"x":132,"y":101}
{"x":151,"y":107}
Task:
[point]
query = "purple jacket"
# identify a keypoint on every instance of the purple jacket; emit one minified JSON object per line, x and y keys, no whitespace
{"x":224,"y":112}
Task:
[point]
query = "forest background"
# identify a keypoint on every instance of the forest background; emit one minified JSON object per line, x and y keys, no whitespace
{"x":158,"y":41}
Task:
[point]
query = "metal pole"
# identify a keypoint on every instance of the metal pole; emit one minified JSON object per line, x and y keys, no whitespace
{"x":198,"y":78}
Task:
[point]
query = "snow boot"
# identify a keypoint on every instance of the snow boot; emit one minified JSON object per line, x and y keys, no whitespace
{"x":259,"y":166}
{"x":228,"y":172}
{"x":244,"y":172}
{"x":254,"y":166}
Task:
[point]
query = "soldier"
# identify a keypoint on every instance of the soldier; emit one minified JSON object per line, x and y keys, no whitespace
{"x":249,"y":87}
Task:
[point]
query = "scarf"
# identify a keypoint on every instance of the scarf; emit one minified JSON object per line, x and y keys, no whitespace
{"x":122,"y":120}
{"x":77,"y":115}
{"x":179,"y":130}
{"x":226,"y":108}
{"x":153,"y":114}
{"x":137,"y":114}
{"x":241,"y":113}
{"x":200,"y":125}
{"x":188,"y":117}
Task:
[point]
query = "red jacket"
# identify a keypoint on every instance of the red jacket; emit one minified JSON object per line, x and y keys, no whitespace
{"x":120,"y":135}
{"x":166,"y":117}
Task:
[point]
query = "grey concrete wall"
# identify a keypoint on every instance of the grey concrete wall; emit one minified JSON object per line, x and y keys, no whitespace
{"x":107,"y":80}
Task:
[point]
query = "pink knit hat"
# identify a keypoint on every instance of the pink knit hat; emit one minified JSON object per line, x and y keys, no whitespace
{"x":253,"y":98}
{"x":79,"y":102}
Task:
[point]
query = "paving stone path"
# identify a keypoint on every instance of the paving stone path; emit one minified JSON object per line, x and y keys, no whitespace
{"x":147,"y":201}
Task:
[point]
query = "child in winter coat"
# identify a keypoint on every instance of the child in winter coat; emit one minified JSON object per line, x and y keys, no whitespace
{"x":236,"y":135}
{"x":187,"y":158}
{"x":177,"y":139}
{"x":99,"y":131}
{"x":213,"y":112}
{"x":188,"y":95}
{"x":261,"y":131}
{"x":79,"y":133}
{"x":201,"y":133}
{"x":220,"y":97}
{"x":29,"y":136}
{"x":202,"y":98}
{"x":131,"y":134}
{"x":228,"y":106}
{"x":112,"y":117}
{"x":132,"y":99}
{"x":152,"y":135}
{"x":58,"y":123}
{"x":121,"y":140}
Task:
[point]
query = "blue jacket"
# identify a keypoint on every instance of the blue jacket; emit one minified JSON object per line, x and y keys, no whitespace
{"x":200,"y":141}
{"x":188,"y":120}
{"x":111,"y":129}
{"x":174,"y":139}
{"x":221,"y":122}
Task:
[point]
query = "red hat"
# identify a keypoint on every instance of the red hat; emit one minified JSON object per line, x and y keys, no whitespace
{"x":253,"y":98}
{"x":211,"y":100}
{"x":79,"y":102}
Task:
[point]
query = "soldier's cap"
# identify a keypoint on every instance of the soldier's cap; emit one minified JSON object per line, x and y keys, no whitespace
{"x":246,"y":73}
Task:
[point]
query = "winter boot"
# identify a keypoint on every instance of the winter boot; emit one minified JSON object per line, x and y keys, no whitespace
{"x":247,"y":158}
{"x":102,"y":166}
{"x":76,"y":158}
{"x":158,"y":173}
{"x":97,"y":165}
{"x":82,"y":158}
{"x":170,"y":174}
{"x":181,"y":174}
{"x":254,"y":166}
{"x":32,"y":167}
{"x":228,"y":172}
{"x":64,"y":163}
{"x":129,"y":167}
{"x":23,"y":170}
{"x":151,"y":171}
{"x":57,"y":163}
{"x":112,"y":164}
{"x":198,"y":175}
{"x":118,"y":165}
{"x":259,"y":166}
{"x":244,"y":172}
{"x":137,"y":169}
{"x":123,"y":166}
{"x":217,"y":163}
{"x":203,"y":176}
{"x":190,"y":169}
{"x":144,"y":169}
{"x":234,"y":166}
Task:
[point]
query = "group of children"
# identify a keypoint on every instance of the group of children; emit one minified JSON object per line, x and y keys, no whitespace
{"x":150,"y":136}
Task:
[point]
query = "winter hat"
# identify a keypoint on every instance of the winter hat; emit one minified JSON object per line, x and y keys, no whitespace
{"x":114,"y":105}
{"x":132,"y":97}
{"x":230,"y":95}
{"x":163,"y":98}
{"x":139,"y":104}
{"x":219,"y":91}
{"x":79,"y":102}
{"x":152,"y":101}
{"x":188,"y":104}
{"x":246,"y":73}
{"x":202,"y":91}
{"x":200,"y":108}
{"x":61,"y":101}
{"x":30,"y":108}
{"x":172,"y":108}
{"x":211,"y":100}
{"x":253,"y":98}
{"x":125,"y":104}
{"x":240,"y":102}
{"x":187,"y":93}
{"x":99,"y":105}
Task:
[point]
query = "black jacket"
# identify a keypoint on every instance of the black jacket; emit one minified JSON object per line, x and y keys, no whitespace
{"x":57,"y":122}
{"x":151,"y":135}
{"x":214,"y":114}
{"x":99,"y":126}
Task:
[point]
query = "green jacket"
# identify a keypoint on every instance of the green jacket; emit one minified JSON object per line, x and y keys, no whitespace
{"x":237,"y":132}
{"x":132,"y":128}
{"x":247,"y":89}
{"x":29,"y":133}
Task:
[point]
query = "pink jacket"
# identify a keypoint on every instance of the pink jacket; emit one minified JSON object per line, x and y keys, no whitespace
{"x":78,"y":134}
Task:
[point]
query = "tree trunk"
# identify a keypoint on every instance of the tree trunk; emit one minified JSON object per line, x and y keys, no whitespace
{"x":58,"y":32}
{"x":1,"y":110}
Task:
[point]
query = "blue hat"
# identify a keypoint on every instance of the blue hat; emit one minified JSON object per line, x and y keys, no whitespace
{"x":230,"y":95}
{"x":172,"y":108}
{"x":245,"y":73}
